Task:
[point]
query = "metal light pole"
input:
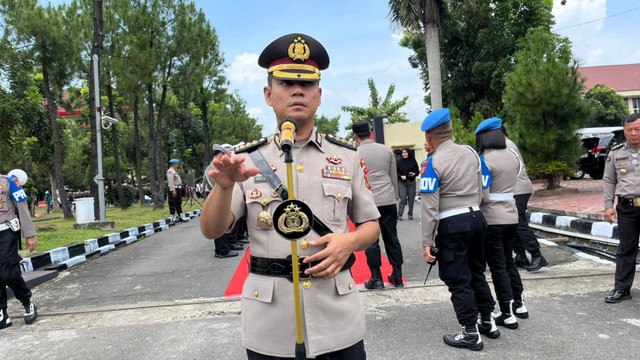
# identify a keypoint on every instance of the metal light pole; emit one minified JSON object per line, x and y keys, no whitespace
{"x":98,"y":179}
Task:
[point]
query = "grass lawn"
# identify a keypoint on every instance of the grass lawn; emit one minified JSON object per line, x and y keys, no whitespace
{"x":54,"y":231}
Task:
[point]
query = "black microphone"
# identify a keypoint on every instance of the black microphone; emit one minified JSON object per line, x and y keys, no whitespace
{"x":288,"y":128}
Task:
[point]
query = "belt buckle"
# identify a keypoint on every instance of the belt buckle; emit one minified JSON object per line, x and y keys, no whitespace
{"x":301,"y":268}
{"x":636,"y":202}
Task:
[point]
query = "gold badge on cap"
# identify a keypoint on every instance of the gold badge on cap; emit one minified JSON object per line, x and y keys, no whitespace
{"x":265,"y":221}
{"x":623,"y":171}
{"x":299,"y":50}
{"x":255,"y":193}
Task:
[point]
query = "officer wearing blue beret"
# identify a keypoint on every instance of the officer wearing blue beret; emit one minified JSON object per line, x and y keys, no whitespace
{"x":500,"y":170}
{"x":450,"y":190}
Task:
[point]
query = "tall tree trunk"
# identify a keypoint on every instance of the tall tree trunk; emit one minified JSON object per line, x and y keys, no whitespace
{"x":205,"y":129}
{"x":54,"y":195}
{"x":57,"y":143}
{"x":432,"y":42}
{"x":160,"y":169}
{"x":156,"y":192}
{"x":136,"y":133}
{"x":116,"y":150}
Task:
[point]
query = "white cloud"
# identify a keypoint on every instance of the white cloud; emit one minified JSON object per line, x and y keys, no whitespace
{"x":245,"y":70}
{"x":255,"y":112}
{"x":595,"y":56}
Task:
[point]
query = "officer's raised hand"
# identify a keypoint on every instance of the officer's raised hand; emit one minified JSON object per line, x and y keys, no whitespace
{"x":230,"y":170}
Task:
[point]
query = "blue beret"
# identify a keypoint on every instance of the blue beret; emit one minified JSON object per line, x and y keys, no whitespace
{"x":174,"y":161}
{"x":489,"y":124}
{"x":436,"y":118}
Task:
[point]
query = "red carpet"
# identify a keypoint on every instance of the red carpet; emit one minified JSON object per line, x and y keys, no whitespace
{"x":360,"y":271}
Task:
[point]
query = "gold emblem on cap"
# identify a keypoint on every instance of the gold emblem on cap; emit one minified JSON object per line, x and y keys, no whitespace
{"x":265,"y":221}
{"x":300,"y":168}
{"x":623,"y":171}
{"x":255,"y":193}
{"x":304,"y":244}
{"x":307,"y":284}
{"x":299,"y":50}
{"x":293,"y":220}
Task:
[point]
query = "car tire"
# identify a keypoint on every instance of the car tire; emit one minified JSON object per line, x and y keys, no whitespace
{"x":577,"y":175}
{"x":596,"y":176}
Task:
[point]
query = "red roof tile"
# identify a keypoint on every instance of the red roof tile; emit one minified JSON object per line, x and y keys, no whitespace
{"x":618,"y":77}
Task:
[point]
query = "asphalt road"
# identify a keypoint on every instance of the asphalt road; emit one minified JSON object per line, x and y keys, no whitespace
{"x":160,"y":298}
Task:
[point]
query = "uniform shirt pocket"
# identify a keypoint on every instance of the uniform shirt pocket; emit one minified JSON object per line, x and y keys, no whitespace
{"x":265,"y":202}
{"x":344,"y":283}
{"x":336,"y":200}
{"x":259,"y":288}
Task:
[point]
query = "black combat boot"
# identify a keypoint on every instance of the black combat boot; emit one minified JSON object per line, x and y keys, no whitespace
{"x":30,"y":312}
{"x":468,"y":338}
{"x":519,"y":309}
{"x":5,"y":320}
{"x":505,"y":316}
{"x":376,"y":280}
{"x":521,"y":260}
{"x":487,"y":326}
{"x":395,"y":277}
{"x":537,"y":262}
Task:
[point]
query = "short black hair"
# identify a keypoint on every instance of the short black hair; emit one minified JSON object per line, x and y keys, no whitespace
{"x":492,"y":139}
{"x":631,"y":118}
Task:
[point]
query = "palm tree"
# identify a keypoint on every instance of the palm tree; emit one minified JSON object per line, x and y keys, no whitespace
{"x":424,"y":15}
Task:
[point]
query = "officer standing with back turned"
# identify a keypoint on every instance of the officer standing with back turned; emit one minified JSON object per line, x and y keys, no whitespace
{"x":622,"y":179}
{"x":12,"y":197}
{"x":450,"y":190}
{"x":331,"y":181}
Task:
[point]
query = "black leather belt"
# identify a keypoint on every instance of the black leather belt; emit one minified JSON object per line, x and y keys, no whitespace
{"x":635,"y":202}
{"x":282,"y":267}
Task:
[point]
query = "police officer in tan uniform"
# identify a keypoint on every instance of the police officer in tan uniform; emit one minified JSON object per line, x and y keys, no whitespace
{"x":383,"y":176}
{"x":500,"y":168}
{"x":526,"y":239}
{"x":175,"y":191}
{"x":12,"y":197}
{"x":622,"y":180}
{"x":450,"y":190}
{"x":327,"y":177}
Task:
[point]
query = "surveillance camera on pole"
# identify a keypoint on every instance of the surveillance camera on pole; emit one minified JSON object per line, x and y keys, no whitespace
{"x":107,"y":121}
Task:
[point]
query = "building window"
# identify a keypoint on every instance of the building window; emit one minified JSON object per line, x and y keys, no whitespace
{"x":636,"y":105}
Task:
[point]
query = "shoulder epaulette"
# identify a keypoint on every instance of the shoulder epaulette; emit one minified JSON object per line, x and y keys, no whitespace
{"x":340,"y":141}
{"x":253,"y":145}
{"x":618,"y":146}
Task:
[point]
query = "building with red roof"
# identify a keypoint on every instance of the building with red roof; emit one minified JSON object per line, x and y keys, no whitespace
{"x":624,"y":79}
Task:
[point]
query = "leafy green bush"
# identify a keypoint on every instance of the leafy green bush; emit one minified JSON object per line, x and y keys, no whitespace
{"x":130,"y":195}
{"x":552,"y":171}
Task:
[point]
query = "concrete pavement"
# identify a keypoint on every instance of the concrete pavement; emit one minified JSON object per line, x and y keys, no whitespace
{"x":160,"y":298}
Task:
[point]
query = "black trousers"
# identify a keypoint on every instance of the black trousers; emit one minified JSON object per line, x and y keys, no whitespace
{"x":525,"y":238}
{"x":175,"y":203}
{"x":10,"y":274}
{"x":504,"y":273}
{"x":388,"y":221}
{"x":629,"y":230}
{"x":407,"y":194}
{"x":353,"y":352}
{"x":239,"y":230}
{"x":460,"y":240}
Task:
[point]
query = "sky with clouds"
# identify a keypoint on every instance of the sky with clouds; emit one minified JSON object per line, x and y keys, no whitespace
{"x":363,"y":44}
